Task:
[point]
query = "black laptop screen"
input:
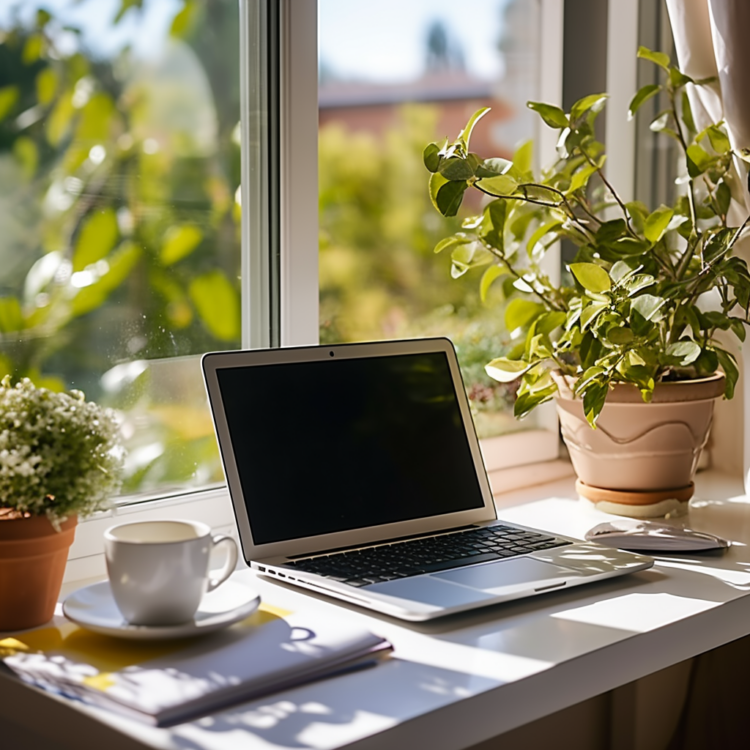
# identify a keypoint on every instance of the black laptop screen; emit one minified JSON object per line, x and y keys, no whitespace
{"x":342,"y":444}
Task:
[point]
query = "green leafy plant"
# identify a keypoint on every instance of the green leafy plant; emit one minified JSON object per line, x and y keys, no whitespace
{"x":59,"y":454}
{"x":632,"y":308}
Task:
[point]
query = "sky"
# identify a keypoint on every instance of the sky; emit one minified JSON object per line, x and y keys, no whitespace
{"x":385,"y":40}
{"x":382,"y":40}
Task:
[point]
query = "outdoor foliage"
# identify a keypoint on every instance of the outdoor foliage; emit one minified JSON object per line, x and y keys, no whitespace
{"x":650,"y":289}
{"x":377,"y":231}
{"x":120,"y":229}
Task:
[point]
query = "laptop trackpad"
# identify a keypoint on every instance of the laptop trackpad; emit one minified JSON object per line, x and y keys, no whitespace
{"x":498,"y":577}
{"x":428,"y":590}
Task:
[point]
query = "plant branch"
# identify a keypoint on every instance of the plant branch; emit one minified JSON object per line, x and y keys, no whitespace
{"x":563,"y":204}
{"x":612,"y":191}
{"x":550,"y":302}
{"x":684,"y":262}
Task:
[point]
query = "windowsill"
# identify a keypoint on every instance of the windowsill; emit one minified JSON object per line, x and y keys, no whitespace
{"x":506,"y":483}
{"x":514,"y":486}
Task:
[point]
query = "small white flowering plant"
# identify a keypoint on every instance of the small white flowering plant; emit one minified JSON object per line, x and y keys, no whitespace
{"x":60,"y":455}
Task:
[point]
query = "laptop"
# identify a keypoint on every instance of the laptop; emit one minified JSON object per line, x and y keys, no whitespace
{"x":355,"y":471}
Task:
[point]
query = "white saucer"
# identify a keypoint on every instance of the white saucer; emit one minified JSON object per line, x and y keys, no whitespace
{"x":94,"y":608}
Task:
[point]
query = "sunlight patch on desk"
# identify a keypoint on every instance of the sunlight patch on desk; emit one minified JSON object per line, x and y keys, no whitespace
{"x":696,"y":503}
{"x":319,"y":734}
{"x":285,"y":723}
{"x":638,"y":613}
{"x":739,"y":579}
{"x":477,"y":662}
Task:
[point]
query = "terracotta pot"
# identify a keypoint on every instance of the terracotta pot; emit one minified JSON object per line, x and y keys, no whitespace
{"x":32,"y":563}
{"x":641,"y":459}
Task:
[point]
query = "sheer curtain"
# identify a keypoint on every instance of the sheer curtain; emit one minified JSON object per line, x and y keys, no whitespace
{"x":712,"y":40}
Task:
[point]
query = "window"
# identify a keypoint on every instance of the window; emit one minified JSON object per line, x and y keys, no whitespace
{"x":136,"y":235}
{"x":385,"y":90}
{"x":120,"y":155}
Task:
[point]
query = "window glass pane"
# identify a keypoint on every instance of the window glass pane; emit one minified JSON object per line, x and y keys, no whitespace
{"x":394,"y":76}
{"x":119,"y":226}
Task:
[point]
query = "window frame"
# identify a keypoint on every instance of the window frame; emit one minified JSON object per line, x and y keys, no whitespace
{"x":280,"y":229}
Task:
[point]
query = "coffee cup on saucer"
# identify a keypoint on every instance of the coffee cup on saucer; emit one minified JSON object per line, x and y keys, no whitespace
{"x":159,"y":570}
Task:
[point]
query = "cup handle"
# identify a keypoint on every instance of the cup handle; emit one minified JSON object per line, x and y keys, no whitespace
{"x":229,"y":565}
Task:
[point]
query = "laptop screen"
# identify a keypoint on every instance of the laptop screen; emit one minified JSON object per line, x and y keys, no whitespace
{"x":343,"y":444}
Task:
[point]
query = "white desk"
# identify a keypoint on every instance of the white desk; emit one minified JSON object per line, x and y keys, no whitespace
{"x":467,"y":678}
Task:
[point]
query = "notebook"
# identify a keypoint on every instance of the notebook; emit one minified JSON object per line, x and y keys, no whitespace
{"x":355,"y":471}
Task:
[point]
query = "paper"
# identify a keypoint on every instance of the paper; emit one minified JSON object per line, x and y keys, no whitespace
{"x":170,"y":683}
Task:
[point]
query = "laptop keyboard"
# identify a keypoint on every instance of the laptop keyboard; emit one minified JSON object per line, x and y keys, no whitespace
{"x":386,"y":562}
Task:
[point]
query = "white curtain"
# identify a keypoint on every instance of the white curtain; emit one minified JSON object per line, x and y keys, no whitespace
{"x":712,"y":39}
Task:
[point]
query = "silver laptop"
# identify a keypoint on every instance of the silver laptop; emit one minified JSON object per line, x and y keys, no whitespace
{"x":355,"y":471}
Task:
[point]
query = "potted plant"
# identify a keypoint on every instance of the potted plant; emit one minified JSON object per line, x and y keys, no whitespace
{"x":631,"y":343}
{"x":59,"y":459}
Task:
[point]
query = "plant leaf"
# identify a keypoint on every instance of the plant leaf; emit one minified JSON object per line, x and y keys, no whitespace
{"x":492,"y":273}
{"x":683,"y":353}
{"x":8,"y":98}
{"x":591,"y":103}
{"x":659,"y":58}
{"x":620,"y":336}
{"x":541,"y":232}
{"x":523,"y":157}
{"x":550,"y":321}
{"x":179,"y":242}
{"x":719,"y":139}
{"x":11,"y":315}
{"x":506,"y":370}
{"x":723,"y":197}
{"x":656,"y":224}
{"x":591,"y":312}
{"x":649,"y":306}
{"x":698,"y":160}
{"x":431,"y":157}
{"x":642,"y":96}
{"x":660,"y":122}
{"x":530,"y":400}
{"x":446,"y":196}
{"x":217,"y":303}
{"x":687,"y":113}
{"x":521,"y":312}
{"x":493,"y":224}
{"x":729,"y":365}
{"x":594,"y":397}
{"x":581,"y":177}
{"x":499,"y":185}
{"x":456,"y":168}
{"x":552,"y":115}
{"x":121,"y":262}
{"x":456,"y":239}
{"x":465,"y":135}
{"x":96,"y":238}
{"x":591,"y":277}
{"x":678,"y":79}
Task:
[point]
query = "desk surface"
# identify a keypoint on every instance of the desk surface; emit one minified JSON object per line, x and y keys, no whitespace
{"x":469,"y":677}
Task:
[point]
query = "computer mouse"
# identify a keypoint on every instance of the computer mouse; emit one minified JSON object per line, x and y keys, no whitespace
{"x":653,"y":536}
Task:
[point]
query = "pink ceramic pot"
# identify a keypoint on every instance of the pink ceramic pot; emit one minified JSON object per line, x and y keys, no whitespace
{"x":642,"y":456}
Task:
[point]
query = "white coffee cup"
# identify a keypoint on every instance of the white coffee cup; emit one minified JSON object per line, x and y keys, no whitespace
{"x":158,"y":570}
